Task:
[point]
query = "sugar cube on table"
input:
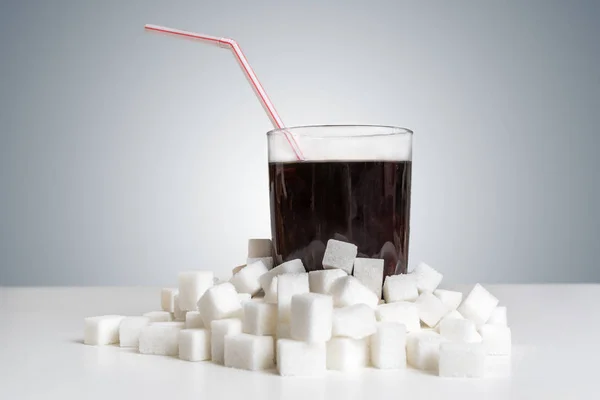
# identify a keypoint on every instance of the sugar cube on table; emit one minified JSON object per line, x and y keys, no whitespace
{"x":478,"y":305}
{"x":271,"y":291}
{"x":192,"y":285}
{"x":402,"y":312}
{"x":496,"y":339}
{"x":388,"y":346}
{"x":259,"y":318}
{"x":311,"y":317}
{"x":369,"y":271}
{"x":259,"y":248}
{"x":339,"y":255}
{"x":193,"y":320}
{"x":178,"y":313}
{"x":167,"y":299}
{"x":347,"y":354}
{"x":289,"y":285}
{"x":267,"y":261}
{"x":160,"y":338}
{"x":194,"y":344}
{"x":451,"y":299}
{"x":357,"y":321}
{"x":423,"y":349}
{"x":219,"y":329}
{"x":320,"y":281}
{"x":219,"y":302}
{"x":348,"y":291}
{"x":295,"y":358}
{"x":101,"y":330}
{"x":427,"y":278}
{"x":462,"y":360}
{"x":401,"y":287}
{"x":459,"y":330}
{"x":249,"y":352}
{"x":431,"y":309}
{"x":130,"y":329}
{"x":247,"y":279}
{"x":498,"y":317}
{"x":159,"y":316}
{"x":288,"y":267}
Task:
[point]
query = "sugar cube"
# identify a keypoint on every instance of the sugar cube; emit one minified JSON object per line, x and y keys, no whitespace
{"x":348,"y":291}
{"x":283,"y":331}
{"x":402,"y":287}
{"x":159,"y":316}
{"x":160,"y":338}
{"x":167,"y":299}
{"x":259,"y":248}
{"x":267,"y":261}
{"x":178,"y":313}
{"x":192,"y":285}
{"x":193,"y":320}
{"x":244,"y":297}
{"x":311,"y":317}
{"x":431,"y":309}
{"x":296,"y":358}
{"x":459,"y":330}
{"x":101,"y":330}
{"x":320,"y":281}
{"x":461,"y":360}
{"x":289,"y":285}
{"x":423,"y":349}
{"x":388,"y":346}
{"x":479,"y":305}
{"x":498,"y":317}
{"x":402,"y":312}
{"x":340,"y":255}
{"x":451,"y":299}
{"x":271,"y":291}
{"x":288,"y":267}
{"x":451,"y":315}
{"x":194,"y":344}
{"x":130,"y":329}
{"x":259,"y":318}
{"x":249,"y":352}
{"x":496,"y":339}
{"x":247,"y":279}
{"x":427,"y":278}
{"x":357,"y":321}
{"x":347,"y":354}
{"x":219,"y":302}
{"x":219,"y":329}
{"x":369,"y":271}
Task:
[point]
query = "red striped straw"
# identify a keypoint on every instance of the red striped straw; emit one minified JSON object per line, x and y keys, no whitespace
{"x":254,"y":82}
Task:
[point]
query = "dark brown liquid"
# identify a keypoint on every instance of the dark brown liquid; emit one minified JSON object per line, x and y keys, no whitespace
{"x":366,"y":203}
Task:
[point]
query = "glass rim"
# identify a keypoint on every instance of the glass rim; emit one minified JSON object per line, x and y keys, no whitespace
{"x":347,"y":131}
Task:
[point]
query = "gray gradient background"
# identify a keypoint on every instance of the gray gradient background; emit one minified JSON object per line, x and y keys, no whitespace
{"x":116,"y":157}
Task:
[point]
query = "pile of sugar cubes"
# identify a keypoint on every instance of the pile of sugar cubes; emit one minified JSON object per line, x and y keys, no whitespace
{"x":306,"y":323}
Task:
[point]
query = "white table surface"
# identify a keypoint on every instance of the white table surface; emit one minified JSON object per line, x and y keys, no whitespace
{"x":555,"y":328}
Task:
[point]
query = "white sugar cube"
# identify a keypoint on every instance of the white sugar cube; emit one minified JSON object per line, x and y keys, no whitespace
{"x":219,"y":302}
{"x":259,"y":248}
{"x":193,"y":320}
{"x":402,"y":312}
{"x":283,"y":330}
{"x":167,"y":299}
{"x":357,"y":321}
{"x":496,"y":339}
{"x":451,"y":299}
{"x":451,"y":315}
{"x":347,"y":354}
{"x":478,"y":306}
{"x":348,"y":291}
{"x":320,"y":281}
{"x":427,"y":278}
{"x":267,"y":261}
{"x":296,"y":358}
{"x":311,"y":317}
{"x":498,"y":317}
{"x":423,"y":349}
{"x":459,"y":330}
{"x":431,"y":309}
{"x":247,"y":279}
{"x":159,"y":316}
{"x":259,"y":318}
{"x":388,"y":346}
{"x":339,"y":255}
{"x":219,"y":329}
{"x":400,"y":287}
{"x":294,"y":266}
{"x":289,"y":285}
{"x":271,"y":291}
{"x":194,"y":344}
{"x":192,"y":285}
{"x":461,"y":360}
{"x":130,"y":329}
{"x":370,"y":272}
{"x":101,"y":330}
{"x":249,"y":352}
{"x":160,"y":338}
{"x":178,"y":313}
{"x":244,"y":297}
